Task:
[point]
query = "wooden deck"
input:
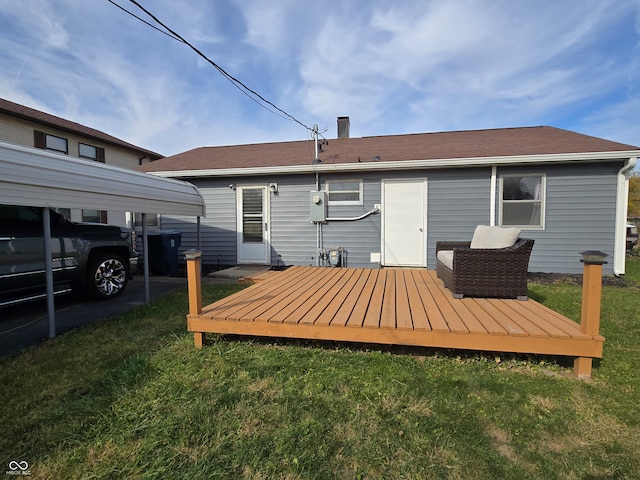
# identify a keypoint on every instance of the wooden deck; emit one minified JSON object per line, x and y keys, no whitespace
{"x":391,"y":306}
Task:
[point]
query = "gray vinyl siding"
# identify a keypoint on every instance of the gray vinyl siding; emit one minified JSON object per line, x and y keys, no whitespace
{"x":293,"y":236}
{"x":217,"y":229}
{"x":359,"y":238}
{"x":458,"y":201}
{"x":579,"y":215}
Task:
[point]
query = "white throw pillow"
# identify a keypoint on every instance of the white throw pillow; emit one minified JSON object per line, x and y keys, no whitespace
{"x":479,"y":239}
{"x":494,"y":237}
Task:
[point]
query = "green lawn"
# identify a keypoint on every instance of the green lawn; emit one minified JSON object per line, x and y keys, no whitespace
{"x":131,"y":398}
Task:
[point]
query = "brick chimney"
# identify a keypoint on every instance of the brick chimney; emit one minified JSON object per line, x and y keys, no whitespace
{"x":343,"y":127}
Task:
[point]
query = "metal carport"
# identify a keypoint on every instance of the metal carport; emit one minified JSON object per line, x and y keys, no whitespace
{"x":39,"y":178}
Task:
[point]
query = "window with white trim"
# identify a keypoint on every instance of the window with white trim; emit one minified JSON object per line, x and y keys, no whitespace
{"x":522,"y":201}
{"x":344,"y":192}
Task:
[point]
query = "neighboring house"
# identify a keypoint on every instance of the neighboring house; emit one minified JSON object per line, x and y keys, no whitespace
{"x":386,"y":201}
{"x":32,"y":128}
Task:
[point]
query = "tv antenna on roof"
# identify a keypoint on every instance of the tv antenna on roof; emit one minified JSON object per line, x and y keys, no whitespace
{"x":317,"y":133}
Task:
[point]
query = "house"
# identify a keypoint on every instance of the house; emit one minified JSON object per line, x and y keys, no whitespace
{"x":20,"y":125}
{"x":387,"y":200}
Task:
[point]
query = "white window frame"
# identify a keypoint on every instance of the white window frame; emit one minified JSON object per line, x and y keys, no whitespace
{"x":542,"y":201}
{"x":344,"y":202}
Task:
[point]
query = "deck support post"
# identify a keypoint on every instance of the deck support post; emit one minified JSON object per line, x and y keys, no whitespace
{"x":591,"y":301}
{"x":194,"y":270}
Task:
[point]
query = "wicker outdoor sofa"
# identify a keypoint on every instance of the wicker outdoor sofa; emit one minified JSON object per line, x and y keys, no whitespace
{"x":468,"y":270}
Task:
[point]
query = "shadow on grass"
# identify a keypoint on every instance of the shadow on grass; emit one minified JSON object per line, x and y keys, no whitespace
{"x":399,"y":350}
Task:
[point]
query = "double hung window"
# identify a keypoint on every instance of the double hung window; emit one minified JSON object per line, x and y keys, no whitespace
{"x":522,"y":201}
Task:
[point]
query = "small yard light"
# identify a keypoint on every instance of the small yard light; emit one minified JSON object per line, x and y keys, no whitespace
{"x":593,"y":257}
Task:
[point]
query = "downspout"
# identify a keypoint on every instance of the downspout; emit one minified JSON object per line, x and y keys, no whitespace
{"x":318,"y":225}
{"x":492,"y":203}
{"x":622,"y":200}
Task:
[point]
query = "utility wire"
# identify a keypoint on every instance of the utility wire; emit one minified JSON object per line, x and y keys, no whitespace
{"x":181,"y":40}
{"x":144,"y":21}
{"x":234,"y":81}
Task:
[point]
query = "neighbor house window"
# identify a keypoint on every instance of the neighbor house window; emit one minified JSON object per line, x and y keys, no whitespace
{"x":153,"y":220}
{"x":344,"y":192}
{"x":522,"y":201}
{"x":94,"y":216}
{"x":91,"y":152}
{"x":50,"y":142}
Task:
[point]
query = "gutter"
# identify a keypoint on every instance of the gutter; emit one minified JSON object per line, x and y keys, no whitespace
{"x":403,"y":164}
{"x":622,"y":201}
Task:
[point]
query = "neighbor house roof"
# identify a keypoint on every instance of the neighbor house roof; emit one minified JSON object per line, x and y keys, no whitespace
{"x":30,"y":114}
{"x":473,"y":147}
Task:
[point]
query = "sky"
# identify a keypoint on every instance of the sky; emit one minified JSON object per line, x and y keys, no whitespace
{"x":407,"y":66}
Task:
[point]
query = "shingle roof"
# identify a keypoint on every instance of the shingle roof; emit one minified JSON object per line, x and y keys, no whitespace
{"x":43,"y":118}
{"x":503,"y":142}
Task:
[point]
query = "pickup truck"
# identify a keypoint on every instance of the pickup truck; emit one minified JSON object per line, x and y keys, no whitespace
{"x":93,"y":258}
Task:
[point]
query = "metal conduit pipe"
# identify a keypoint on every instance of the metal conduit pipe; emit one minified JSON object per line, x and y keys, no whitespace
{"x":353,"y":219}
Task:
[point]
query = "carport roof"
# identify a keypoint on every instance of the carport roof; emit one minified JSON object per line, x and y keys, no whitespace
{"x":40,"y":178}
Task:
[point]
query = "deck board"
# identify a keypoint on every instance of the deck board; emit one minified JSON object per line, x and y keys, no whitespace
{"x":356,"y":319}
{"x":391,"y":306}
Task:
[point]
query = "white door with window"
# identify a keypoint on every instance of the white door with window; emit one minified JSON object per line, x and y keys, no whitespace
{"x":404,"y":212}
{"x":253,"y":225}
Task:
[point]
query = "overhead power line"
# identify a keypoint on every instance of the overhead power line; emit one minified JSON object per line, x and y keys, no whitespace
{"x":250,"y":93}
{"x":144,"y":21}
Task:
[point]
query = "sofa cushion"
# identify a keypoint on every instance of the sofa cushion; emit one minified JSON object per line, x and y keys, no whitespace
{"x":494,"y":237}
{"x":446,"y":258}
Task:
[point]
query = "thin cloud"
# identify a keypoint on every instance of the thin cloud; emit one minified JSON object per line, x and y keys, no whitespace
{"x":393,"y":68}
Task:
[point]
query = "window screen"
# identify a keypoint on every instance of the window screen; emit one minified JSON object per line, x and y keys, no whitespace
{"x":346,"y":192}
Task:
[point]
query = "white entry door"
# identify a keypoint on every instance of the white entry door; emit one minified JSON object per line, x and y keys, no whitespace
{"x":404,"y":236}
{"x":253,"y":225}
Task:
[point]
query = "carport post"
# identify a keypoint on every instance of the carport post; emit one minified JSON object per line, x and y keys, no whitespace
{"x":145,"y":258}
{"x":48,"y":270}
{"x":198,"y":247}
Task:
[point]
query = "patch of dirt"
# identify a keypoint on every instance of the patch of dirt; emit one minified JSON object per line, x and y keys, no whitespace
{"x":575,"y":279}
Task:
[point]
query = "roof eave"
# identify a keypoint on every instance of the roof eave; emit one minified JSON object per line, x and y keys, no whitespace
{"x":404,"y":164}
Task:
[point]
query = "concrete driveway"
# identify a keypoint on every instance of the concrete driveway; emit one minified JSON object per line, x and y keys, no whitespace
{"x":27,"y":324}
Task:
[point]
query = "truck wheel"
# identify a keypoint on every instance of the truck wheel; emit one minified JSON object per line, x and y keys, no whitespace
{"x":107,"y":276}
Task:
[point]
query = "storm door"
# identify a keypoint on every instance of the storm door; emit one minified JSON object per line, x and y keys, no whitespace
{"x":253,"y":225}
